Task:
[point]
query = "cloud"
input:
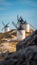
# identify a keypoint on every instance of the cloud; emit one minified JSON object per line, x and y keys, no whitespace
{"x":32,"y":3}
{"x":4,"y":2}
{"x":16,"y":3}
{"x":2,"y":8}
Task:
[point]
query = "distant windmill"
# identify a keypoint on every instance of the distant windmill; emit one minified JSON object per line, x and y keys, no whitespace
{"x":29,"y":26}
{"x":6,"y":27}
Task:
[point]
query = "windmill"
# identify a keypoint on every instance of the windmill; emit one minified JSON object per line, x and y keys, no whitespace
{"x":20,"y":30}
{"x":29,"y":27}
{"x":6,"y":27}
{"x":22,"y":27}
{"x":25,"y":25}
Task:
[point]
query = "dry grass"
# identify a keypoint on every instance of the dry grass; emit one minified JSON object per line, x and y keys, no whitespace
{"x":13,"y":46}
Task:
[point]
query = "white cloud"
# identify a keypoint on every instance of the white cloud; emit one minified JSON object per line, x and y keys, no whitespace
{"x":27,"y":2}
{"x":2,"y":8}
{"x":32,"y":3}
{"x":5,"y":3}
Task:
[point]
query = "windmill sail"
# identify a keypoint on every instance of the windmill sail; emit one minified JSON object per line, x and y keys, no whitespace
{"x":5,"y":26}
{"x":3,"y":23}
{"x":32,"y":26}
{"x":16,"y":27}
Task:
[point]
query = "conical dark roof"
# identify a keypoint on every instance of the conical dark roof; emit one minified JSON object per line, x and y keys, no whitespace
{"x":22,"y":21}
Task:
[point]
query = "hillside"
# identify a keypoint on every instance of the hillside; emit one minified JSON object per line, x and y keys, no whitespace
{"x":26,"y":53}
{"x":9,"y":39}
{"x":8,"y":35}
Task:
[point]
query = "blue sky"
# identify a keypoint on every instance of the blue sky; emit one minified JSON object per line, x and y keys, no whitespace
{"x":9,"y":9}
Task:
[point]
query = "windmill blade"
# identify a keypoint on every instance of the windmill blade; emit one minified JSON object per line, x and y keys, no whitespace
{"x":14,"y":24}
{"x":32,"y":26}
{"x":17,"y":18}
{"x":16,"y":27}
{"x":3,"y":23}
{"x":2,"y":28}
{"x":7,"y":24}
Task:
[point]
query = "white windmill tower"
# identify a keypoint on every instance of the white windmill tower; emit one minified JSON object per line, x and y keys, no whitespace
{"x":6,"y":27}
{"x":20,"y":30}
{"x":26,"y":26}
